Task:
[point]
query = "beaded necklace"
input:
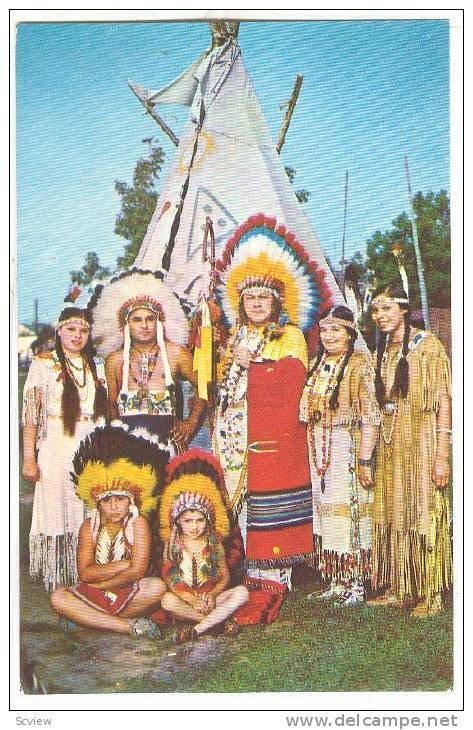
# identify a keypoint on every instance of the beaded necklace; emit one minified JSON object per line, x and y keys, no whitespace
{"x":388,"y":435}
{"x":71,"y":367}
{"x":147,"y":364}
{"x":326,"y":416}
{"x":233,"y":374}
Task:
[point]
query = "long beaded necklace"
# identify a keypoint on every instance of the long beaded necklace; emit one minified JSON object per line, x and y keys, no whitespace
{"x":388,"y":435}
{"x":147,"y":364}
{"x":71,"y":367}
{"x":326,"y":416}
{"x":233,"y":374}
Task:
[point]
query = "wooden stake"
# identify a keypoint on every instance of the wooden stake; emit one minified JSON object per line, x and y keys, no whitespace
{"x":344,"y":230}
{"x":161,"y":123}
{"x":420,"y":268}
{"x":289,"y":112}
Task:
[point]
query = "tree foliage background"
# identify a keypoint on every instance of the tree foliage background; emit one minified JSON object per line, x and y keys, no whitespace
{"x":138,"y":202}
{"x":432,"y":211}
{"x":377,"y":267}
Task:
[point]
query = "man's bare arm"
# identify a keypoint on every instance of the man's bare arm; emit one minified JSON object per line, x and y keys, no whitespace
{"x":184,"y":431}
{"x":113,"y":373}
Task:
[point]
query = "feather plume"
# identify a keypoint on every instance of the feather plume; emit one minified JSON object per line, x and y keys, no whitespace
{"x":108,"y":300}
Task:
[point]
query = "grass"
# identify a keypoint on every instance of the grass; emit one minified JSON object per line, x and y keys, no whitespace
{"x":315,"y":647}
{"x":311,"y":647}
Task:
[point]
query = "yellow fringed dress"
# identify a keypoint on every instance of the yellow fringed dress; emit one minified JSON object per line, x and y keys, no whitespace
{"x":411,"y":536}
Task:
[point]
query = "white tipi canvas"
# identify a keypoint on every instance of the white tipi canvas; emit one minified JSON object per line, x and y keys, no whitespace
{"x":226,"y":167}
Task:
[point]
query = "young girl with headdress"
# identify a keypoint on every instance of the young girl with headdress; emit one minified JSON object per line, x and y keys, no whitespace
{"x":339,"y":405}
{"x":411,"y":539}
{"x":193,"y":523}
{"x":64,"y":398}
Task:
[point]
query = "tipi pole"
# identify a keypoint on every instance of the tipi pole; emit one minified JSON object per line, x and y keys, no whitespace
{"x":289,"y":111}
{"x":420,"y":268}
{"x":344,"y":231}
{"x":161,"y":123}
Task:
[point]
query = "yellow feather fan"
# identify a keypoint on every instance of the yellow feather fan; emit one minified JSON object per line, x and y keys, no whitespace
{"x":121,"y":475}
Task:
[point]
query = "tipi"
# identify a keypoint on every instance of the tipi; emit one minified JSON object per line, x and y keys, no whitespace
{"x":226,"y":167}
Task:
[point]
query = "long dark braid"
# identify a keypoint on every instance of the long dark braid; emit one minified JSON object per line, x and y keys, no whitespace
{"x":378,"y":380}
{"x":318,"y":356}
{"x":70,"y":401}
{"x":401,"y":376}
{"x":340,"y":312}
{"x":333,"y":402}
{"x":100,"y":400}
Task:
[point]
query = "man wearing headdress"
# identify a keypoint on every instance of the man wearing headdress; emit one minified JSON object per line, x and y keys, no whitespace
{"x":141,"y":329}
{"x":117,"y":476}
{"x":269,"y":295}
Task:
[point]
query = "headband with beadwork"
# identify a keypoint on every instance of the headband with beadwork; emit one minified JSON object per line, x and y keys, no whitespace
{"x":384,"y":299}
{"x":74,"y":319}
{"x":261,"y":289}
{"x":140,"y":303}
{"x":329,"y":319}
{"x":195,"y":502}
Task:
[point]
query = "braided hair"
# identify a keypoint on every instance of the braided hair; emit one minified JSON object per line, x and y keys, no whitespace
{"x":401,"y":377}
{"x":70,"y":401}
{"x":340,"y":311}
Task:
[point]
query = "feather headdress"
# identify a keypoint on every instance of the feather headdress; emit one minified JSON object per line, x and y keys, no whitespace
{"x":112,"y":461}
{"x":112,"y":303}
{"x":194,"y":481}
{"x":265,"y":255}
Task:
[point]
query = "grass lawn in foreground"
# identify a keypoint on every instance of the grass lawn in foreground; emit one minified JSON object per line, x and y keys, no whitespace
{"x":312,"y":647}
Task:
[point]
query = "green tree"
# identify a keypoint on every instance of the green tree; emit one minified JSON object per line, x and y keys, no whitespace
{"x":138,"y":202}
{"x":91,"y":270}
{"x":432,"y":212}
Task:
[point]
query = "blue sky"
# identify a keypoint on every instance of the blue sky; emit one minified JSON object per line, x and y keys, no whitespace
{"x":373,"y":91}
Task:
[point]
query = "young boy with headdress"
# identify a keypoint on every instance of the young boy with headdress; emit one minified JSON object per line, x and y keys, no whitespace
{"x":193,"y":522}
{"x":117,"y":476}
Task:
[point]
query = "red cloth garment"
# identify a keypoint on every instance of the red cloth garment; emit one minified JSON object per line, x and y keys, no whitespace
{"x":266,"y":597}
{"x":279,"y":494}
{"x":111,"y":601}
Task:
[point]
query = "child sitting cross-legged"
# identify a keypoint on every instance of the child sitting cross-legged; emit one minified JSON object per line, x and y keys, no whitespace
{"x":193,"y":522}
{"x":117,"y":475}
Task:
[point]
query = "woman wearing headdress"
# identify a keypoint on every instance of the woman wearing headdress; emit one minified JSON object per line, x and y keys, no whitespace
{"x":411,"y":539}
{"x":140,"y":328}
{"x":118,"y":476}
{"x":64,"y":398}
{"x":340,"y":407}
{"x":194,"y":522}
{"x":269,"y":295}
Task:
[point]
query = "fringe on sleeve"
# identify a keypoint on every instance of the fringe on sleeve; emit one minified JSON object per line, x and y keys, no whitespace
{"x":368,"y":403}
{"x":34,"y":398}
{"x":429,"y":375}
{"x":357,"y":398}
